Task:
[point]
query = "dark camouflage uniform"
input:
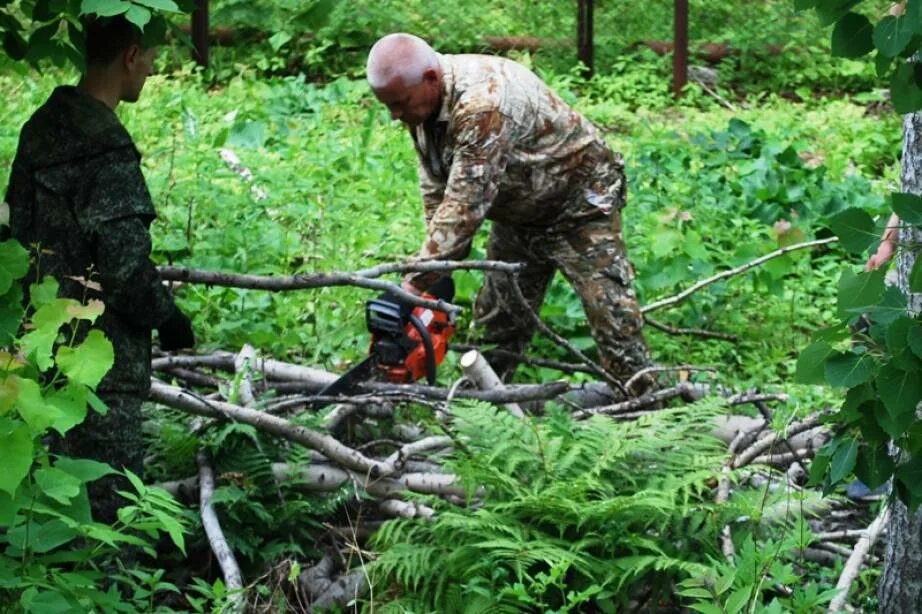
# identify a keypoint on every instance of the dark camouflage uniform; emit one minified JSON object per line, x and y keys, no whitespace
{"x":78,"y":200}
{"x":504,"y":147}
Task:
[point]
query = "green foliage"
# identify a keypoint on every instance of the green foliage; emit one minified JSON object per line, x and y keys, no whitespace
{"x":573,"y":515}
{"x":50,"y":547}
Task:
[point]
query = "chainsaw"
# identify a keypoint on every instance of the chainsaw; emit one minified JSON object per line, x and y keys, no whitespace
{"x":407,"y":342}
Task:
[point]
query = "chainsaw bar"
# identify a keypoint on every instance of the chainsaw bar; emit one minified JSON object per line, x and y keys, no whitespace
{"x":350,"y":380}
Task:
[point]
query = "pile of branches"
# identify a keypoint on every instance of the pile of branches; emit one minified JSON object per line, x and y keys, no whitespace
{"x":268,"y":392}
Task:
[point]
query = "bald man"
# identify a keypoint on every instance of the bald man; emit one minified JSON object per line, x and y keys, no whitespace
{"x":494,"y":142}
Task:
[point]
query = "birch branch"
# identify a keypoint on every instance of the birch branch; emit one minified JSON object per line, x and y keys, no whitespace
{"x":856,"y":560}
{"x":645,"y":401}
{"x":328,"y":446}
{"x":681,"y":296}
{"x":478,"y":370}
{"x":770,"y":440}
{"x":693,"y":332}
{"x":564,"y":367}
{"x":230,"y":570}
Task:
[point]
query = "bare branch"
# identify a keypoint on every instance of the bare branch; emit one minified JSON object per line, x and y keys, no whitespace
{"x":646,"y":401}
{"x":663,"y":369}
{"x":222,"y":551}
{"x":681,"y":296}
{"x":694,"y":332}
{"x":856,"y":560}
{"x":565,"y":367}
{"x":771,"y":439}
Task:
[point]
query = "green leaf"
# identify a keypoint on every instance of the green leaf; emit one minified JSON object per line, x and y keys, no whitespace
{"x":810,"y":369}
{"x":855,"y":229}
{"x":71,"y":402}
{"x":14,"y":263}
{"x":892,"y":34}
{"x":909,"y":475}
{"x":104,"y":8}
{"x":137,"y":482}
{"x":913,"y":14}
{"x":160,"y":5}
{"x":874,"y":466}
{"x":882,"y":64}
{"x":59,"y":485}
{"x":848,"y":369}
{"x":737,"y":600}
{"x":899,"y":390}
{"x":905,"y":89}
{"x":90,"y":311}
{"x":138,"y":15}
{"x":278,"y":40}
{"x":830,"y":11}
{"x":41,"y":536}
{"x":50,"y":602}
{"x":891,"y":307}
{"x":705,"y":608}
{"x":843,"y":461}
{"x":893,"y":425}
{"x":858,"y":291}
{"x":83,"y":469}
{"x":915,"y":276}
{"x":47,"y":321}
{"x":915,"y":339}
{"x":898,"y":344}
{"x":907,"y":206}
{"x":41,"y":294}
{"x":15,"y":454}
{"x":852,"y":36}
{"x":803,"y":5}
{"x":173,"y":528}
{"x":34,"y":409}
{"x":248,"y":134}
{"x":89,"y":362}
{"x":11,"y":314}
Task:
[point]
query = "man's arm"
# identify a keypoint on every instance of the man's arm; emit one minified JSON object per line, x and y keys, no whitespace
{"x":887,"y":245}
{"x":483,"y":141}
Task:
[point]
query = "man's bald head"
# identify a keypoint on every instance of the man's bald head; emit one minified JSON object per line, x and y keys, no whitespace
{"x":405,"y":74}
{"x":402,"y":56}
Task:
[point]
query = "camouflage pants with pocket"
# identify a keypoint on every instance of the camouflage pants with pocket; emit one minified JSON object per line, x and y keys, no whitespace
{"x":591,"y":256}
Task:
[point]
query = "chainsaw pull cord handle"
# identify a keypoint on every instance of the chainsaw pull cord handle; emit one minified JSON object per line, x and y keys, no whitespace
{"x":427,"y":344}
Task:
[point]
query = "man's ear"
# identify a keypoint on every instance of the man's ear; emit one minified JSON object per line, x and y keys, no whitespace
{"x":131,"y":55}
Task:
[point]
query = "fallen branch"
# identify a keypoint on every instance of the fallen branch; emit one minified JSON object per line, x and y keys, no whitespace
{"x":646,"y":401}
{"x":760,"y":446}
{"x":325,"y":592}
{"x":678,"y":298}
{"x":856,"y":560}
{"x":230,"y":570}
{"x":664,"y":369}
{"x":328,"y":446}
{"x":564,"y":367}
{"x":694,"y":332}
{"x":478,"y":370}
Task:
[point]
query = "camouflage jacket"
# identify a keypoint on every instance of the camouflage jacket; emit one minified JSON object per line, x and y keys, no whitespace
{"x":78,"y":200}
{"x":504,"y":147}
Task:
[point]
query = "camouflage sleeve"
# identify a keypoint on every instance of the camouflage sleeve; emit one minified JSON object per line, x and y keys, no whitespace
{"x":432,"y":191}
{"x":130,"y":281}
{"x":482,"y":143}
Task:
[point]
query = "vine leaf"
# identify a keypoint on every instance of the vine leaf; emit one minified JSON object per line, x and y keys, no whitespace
{"x":847,"y":369}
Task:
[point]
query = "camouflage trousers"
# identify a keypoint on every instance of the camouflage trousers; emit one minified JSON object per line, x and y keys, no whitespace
{"x":114,"y":439}
{"x":592,"y":257}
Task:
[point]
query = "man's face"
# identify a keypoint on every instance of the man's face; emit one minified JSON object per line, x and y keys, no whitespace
{"x":139,"y":64}
{"x":412,"y":105}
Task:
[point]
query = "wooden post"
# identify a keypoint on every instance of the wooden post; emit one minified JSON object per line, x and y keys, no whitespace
{"x":680,"y":48}
{"x":584,"y":36}
{"x":200,"y":33}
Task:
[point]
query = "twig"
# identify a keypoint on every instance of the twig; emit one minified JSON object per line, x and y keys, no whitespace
{"x":663,"y":369}
{"x":222,"y":551}
{"x":723,"y":495}
{"x":681,"y":296}
{"x":856,"y":560}
{"x":233,"y":162}
{"x":695,"y":332}
{"x":548,"y":332}
{"x":243,"y":365}
{"x":767,"y":442}
{"x":478,"y":370}
{"x":417,"y":447}
{"x":328,"y":446}
{"x":755,"y":397}
{"x":647,"y":400}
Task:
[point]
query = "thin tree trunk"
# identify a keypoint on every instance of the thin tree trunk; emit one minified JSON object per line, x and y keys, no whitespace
{"x":900,"y":589}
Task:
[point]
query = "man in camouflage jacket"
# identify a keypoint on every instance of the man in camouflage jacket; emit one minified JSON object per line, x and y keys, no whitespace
{"x":494,"y":142}
{"x":78,"y":200}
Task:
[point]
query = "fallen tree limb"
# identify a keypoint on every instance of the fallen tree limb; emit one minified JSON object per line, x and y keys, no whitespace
{"x":648,"y":400}
{"x":478,"y":370}
{"x":230,"y":570}
{"x":856,"y":560}
{"x":564,"y":367}
{"x":325,"y":592}
{"x":665,"y":369}
{"x":694,"y":332}
{"x":681,"y":296}
{"x":771,"y":439}
{"x":325,"y":444}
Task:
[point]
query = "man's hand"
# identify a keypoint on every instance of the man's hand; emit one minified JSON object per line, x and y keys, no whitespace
{"x":176,"y":333}
{"x":882,"y":256}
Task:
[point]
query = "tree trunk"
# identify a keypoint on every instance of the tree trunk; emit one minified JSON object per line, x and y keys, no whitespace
{"x":900,"y":589}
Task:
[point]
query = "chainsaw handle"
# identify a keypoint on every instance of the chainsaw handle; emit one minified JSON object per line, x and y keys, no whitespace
{"x":427,"y":344}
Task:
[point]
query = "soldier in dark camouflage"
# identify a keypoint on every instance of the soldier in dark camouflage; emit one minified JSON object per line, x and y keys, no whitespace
{"x":494,"y":142}
{"x":78,"y":200}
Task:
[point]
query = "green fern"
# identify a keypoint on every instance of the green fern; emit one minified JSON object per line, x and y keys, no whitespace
{"x":572,"y":513}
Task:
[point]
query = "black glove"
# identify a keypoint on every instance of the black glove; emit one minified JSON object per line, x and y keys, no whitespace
{"x":176,"y":333}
